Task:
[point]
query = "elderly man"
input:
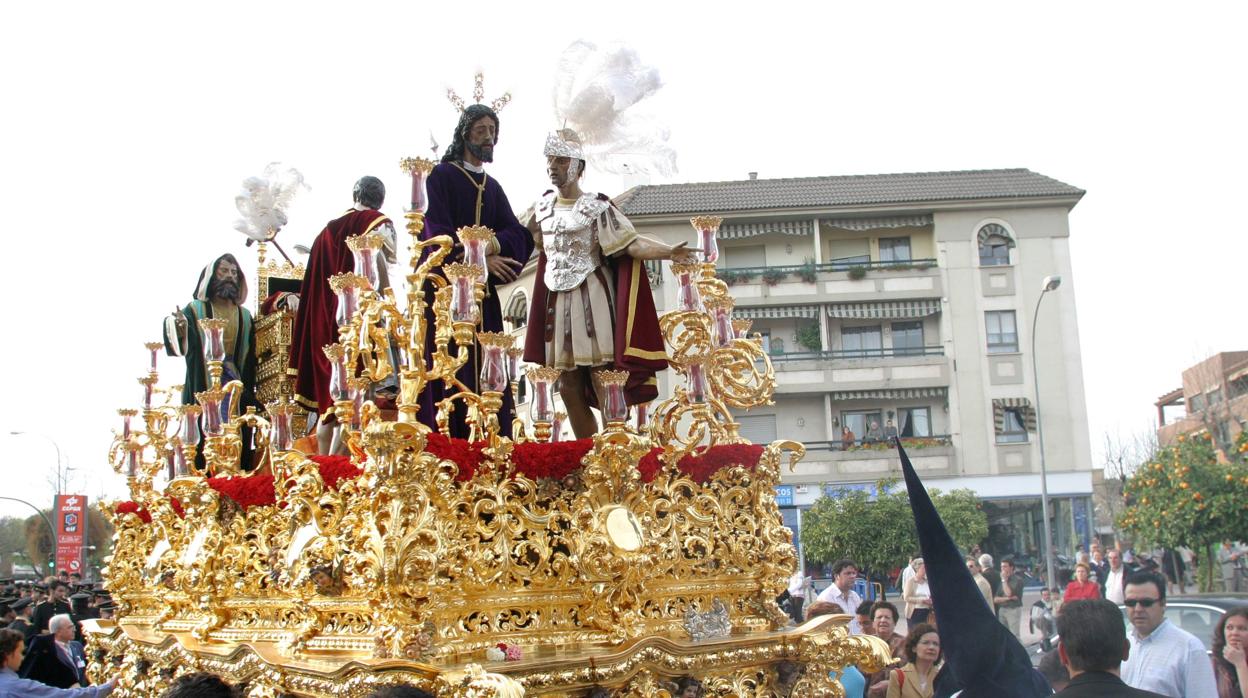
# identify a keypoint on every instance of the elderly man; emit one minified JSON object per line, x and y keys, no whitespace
{"x":1164,"y":657}
{"x":977,"y":573}
{"x":1115,"y":578}
{"x":55,"y":658}
{"x":13,"y":686}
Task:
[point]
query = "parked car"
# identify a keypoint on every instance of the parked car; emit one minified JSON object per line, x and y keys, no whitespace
{"x":1198,"y":614}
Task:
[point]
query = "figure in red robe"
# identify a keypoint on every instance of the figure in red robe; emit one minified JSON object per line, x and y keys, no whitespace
{"x":315,"y":324}
{"x":592,"y":307}
{"x":461,"y":193}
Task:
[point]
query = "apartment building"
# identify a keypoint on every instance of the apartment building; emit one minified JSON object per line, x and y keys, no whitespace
{"x":1213,"y":399}
{"x":902,"y":304}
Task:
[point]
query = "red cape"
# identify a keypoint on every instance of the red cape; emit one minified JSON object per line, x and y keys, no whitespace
{"x":638,"y":341}
{"x":314,"y":323}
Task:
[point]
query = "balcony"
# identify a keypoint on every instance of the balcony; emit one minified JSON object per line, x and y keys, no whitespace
{"x":860,"y":370}
{"x":812,"y":283}
{"x":830,"y":461}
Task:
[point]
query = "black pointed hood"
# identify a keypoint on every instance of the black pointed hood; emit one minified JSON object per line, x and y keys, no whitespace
{"x":984,"y":656}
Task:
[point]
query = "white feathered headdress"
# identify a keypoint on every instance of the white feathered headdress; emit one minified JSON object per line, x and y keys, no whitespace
{"x":263,"y":200}
{"x":595,"y":90}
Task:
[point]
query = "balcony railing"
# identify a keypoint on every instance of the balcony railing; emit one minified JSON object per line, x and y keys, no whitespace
{"x":890,"y":352}
{"x":867,"y":446}
{"x":742,"y":274}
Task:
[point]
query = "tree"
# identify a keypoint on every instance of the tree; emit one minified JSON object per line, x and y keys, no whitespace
{"x":1184,"y":496}
{"x":880,"y":535}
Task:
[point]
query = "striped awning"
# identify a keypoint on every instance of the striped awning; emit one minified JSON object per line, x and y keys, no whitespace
{"x":777,"y":312}
{"x":885,"y":310}
{"x":890,"y":394}
{"x":873,"y":223}
{"x":1021,"y":404}
{"x":736,"y":231}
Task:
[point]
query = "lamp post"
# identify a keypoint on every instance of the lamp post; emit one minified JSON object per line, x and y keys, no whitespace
{"x":1050,"y":284}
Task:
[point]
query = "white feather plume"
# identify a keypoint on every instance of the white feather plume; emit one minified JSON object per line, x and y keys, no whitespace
{"x":595,"y":92}
{"x":263,"y":200}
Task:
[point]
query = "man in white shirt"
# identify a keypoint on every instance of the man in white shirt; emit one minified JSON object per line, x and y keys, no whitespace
{"x":1114,"y":586}
{"x":841,"y":591}
{"x":1164,"y":658}
{"x":985,"y":589}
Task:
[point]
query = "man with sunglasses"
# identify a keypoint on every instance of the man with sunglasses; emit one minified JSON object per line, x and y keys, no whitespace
{"x":1164,"y":658}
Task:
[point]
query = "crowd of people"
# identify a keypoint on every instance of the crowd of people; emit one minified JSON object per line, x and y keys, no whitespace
{"x":1094,"y":654}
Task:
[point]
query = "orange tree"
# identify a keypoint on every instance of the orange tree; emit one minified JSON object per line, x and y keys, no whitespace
{"x":878,"y":533}
{"x":1184,"y":496}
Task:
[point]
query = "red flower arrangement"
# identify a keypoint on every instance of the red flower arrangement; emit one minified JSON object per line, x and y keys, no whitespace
{"x":532,"y":460}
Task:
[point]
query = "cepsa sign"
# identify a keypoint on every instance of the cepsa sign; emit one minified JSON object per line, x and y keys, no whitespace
{"x":71,"y":531}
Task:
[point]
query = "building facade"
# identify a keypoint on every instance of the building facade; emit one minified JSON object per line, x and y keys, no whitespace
{"x":902,"y":304}
{"x":1213,"y":400}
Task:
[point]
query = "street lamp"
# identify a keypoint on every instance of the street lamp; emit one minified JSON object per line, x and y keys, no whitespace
{"x":1050,"y":284}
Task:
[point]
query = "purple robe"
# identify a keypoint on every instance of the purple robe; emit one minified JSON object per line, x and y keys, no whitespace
{"x":452,"y":205}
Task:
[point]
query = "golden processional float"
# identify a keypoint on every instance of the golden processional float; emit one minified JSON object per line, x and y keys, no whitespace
{"x":642,"y":564}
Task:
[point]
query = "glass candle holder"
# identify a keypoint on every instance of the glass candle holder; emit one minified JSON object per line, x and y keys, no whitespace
{"x":643,"y":414}
{"x":556,"y":427}
{"x":190,"y":424}
{"x":513,"y":363}
{"x":494,"y":346}
{"x":210,"y":401}
{"x":214,"y":338}
{"x":707,"y":227}
{"x":149,"y":384}
{"x":419,"y":169}
{"x":132,"y":457}
{"x":280,"y":434}
{"x":478,"y":240}
{"x":463,"y":278}
{"x":687,"y":296}
{"x":543,"y":378}
{"x":614,"y":407}
{"x":696,"y":383}
{"x":153,"y":348}
{"x":721,"y":316}
{"x":359,"y":390}
{"x":338,"y":373}
{"x":347,"y":287}
{"x":365,"y":248}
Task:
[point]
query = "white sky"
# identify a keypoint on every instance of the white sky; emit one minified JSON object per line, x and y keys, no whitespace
{"x":127,"y":128}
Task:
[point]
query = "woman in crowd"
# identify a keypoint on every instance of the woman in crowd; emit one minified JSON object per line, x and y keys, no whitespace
{"x":917,"y":595}
{"x":1081,"y":587}
{"x":852,"y":680}
{"x":885,"y":617}
{"x":1230,"y":640}
{"x":917,"y":678}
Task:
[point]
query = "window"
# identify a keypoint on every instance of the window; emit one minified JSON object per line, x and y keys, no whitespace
{"x":1215,"y":396}
{"x":776,"y":346}
{"x":861,"y":341}
{"x":1002,"y":332}
{"x":517,"y":311}
{"x":914,"y":421}
{"x":1014,"y":429}
{"x":895,"y":249}
{"x":994,"y":245}
{"x":908,"y":338}
{"x":1196,"y":403}
{"x":1239,"y":386}
{"x":860,"y":422}
{"x":758,"y":428}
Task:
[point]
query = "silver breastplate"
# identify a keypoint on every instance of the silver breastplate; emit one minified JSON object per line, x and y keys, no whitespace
{"x":571,"y":244}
